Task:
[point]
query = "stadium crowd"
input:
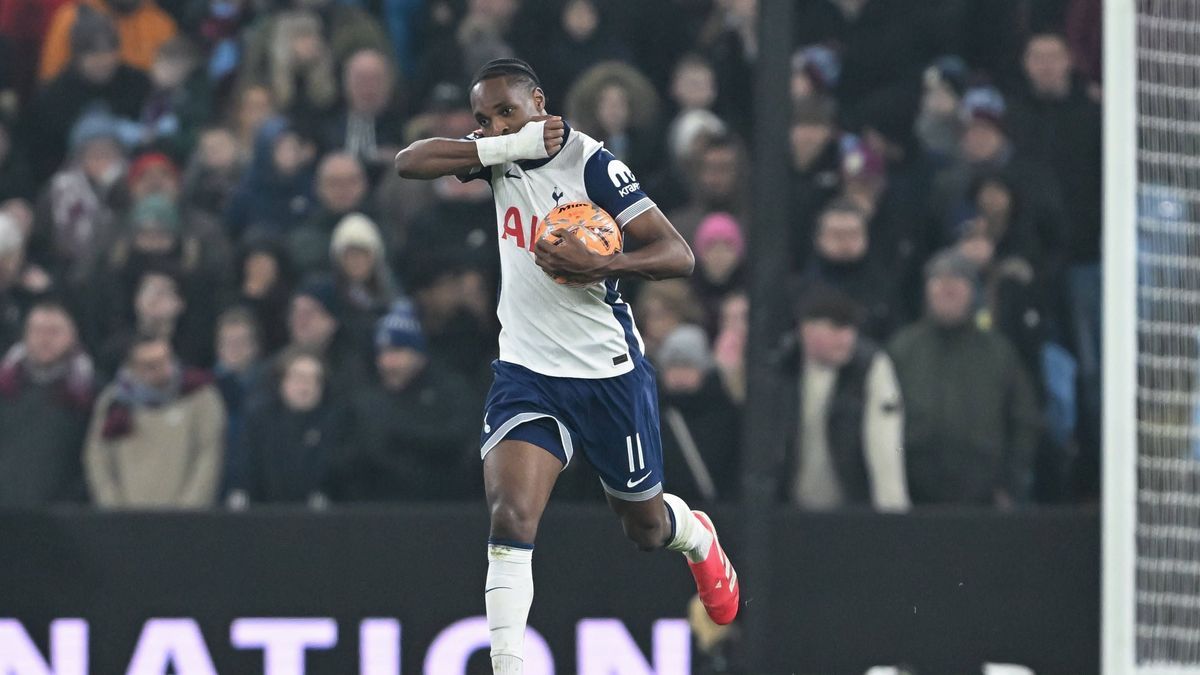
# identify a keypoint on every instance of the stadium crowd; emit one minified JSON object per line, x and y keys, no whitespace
{"x":214,"y":291}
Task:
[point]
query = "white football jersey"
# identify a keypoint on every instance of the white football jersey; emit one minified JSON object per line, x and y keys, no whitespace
{"x":550,"y":328}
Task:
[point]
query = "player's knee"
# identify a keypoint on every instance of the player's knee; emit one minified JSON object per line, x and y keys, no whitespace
{"x":513,"y":521}
{"x":649,"y":534}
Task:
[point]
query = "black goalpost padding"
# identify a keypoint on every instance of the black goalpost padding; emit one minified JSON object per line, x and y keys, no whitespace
{"x":768,"y":234}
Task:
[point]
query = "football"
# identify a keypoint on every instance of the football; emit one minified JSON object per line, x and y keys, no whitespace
{"x":589,"y":223}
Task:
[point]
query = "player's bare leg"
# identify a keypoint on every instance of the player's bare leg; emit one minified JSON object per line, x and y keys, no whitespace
{"x":517,"y":478}
{"x":666,"y":520}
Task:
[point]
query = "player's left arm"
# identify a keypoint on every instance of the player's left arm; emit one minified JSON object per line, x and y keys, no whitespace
{"x":663,"y":253}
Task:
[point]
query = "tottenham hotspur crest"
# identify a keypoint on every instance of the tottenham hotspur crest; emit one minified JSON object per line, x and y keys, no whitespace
{"x":556,"y":195}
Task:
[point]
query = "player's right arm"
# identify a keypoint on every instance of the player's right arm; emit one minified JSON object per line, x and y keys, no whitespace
{"x":429,"y":158}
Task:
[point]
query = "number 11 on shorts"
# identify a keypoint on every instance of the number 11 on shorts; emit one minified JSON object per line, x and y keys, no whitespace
{"x":641,"y":461}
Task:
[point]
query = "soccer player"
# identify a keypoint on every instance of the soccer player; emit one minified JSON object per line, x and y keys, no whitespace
{"x":571,"y":373}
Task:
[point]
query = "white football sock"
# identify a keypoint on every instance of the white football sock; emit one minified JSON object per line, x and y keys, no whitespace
{"x":691,"y":538}
{"x":508,"y":594}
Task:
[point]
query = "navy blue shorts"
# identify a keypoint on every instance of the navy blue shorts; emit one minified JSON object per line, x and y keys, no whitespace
{"x":613,"y":420}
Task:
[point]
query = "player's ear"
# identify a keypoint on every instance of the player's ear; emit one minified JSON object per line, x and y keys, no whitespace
{"x":539,"y":100}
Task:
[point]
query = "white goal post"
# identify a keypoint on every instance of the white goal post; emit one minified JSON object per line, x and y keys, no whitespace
{"x":1151,"y":331}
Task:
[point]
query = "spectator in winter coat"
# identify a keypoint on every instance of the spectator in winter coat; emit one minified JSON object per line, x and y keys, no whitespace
{"x":155,"y":244}
{"x":95,"y":77}
{"x":700,"y":424}
{"x":315,"y":324}
{"x":264,"y":285}
{"x":720,"y":265}
{"x":816,"y":177}
{"x":841,"y":261}
{"x":298,"y":67}
{"x":414,"y":430}
{"x":971,"y":423}
{"x":615,"y":104}
{"x":275,"y":194}
{"x":239,"y":360}
{"x":718,"y":183}
{"x":291,"y":438}
{"x":843,"y":411}
{"x":157,"y":434}
{"x":341,"y":189}
{"x":580,"y":42}
{"x":142,"y":25}
{"x":46,"y":390}
{"x":76,"y":215}
{"x":364,"y":278}
{"x":178,"y":102}
{"x":1058,"y":123}
{"x":369,"y":126}
{"x":211,"y":177}
{"x":986,"y":148}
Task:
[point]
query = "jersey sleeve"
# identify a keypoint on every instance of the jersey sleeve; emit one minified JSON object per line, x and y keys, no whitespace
{"x":612,"y":186}
{"x":481,"y":173}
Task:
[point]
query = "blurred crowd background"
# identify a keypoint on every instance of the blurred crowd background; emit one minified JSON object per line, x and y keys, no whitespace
{"x":215,"y":292}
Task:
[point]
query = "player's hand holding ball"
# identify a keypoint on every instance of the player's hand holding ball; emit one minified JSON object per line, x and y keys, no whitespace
{"x":575,"y":243}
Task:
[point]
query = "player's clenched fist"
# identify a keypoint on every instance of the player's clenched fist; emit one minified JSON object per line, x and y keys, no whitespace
{"x":553,"y":132}
{"x":541,"y":137}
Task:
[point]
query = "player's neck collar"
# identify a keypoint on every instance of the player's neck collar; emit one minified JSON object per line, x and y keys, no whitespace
{"x":527,"y":164}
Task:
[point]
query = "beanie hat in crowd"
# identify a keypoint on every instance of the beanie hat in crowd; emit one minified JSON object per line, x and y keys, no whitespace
{"x":11,"y":239}
{"x":324,"y":291}
{"x":689,"y":126}
{"x":720,"y":228}
{"x":157,"y":213}
{"x":93,"y":32}
{"x":821,"y":64}
{"x":984,"y":104}
{"x":356,"y":230}
{"x":950,"y":263}
{"x":949,"y":70}
{"x":94,"y":125}
{"x":149,"y":160}
{"x":686,"y":347}
{"x":400,"y":328}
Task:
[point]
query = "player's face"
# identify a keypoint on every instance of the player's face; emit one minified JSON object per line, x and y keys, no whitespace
{"x":501,"y":107}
